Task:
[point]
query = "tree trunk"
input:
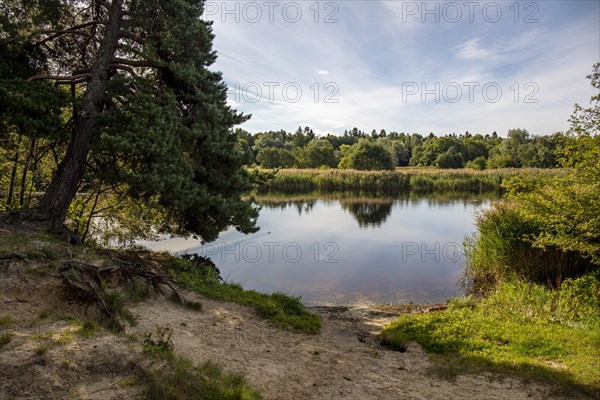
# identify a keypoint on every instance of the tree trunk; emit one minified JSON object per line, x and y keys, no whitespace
{"x":13,"y":175}
{"x":63,"y":187}
{"x":25,"y":171}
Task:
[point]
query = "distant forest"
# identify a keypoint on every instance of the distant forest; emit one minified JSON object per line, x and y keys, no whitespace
{"x":382,"y":150}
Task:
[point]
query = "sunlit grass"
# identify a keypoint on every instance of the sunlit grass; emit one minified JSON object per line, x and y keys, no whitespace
{"x":520,"y":328}
{"x":180,"y":379}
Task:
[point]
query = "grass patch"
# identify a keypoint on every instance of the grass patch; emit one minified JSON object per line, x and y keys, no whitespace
{"x":162,"y":345}
{"x":116,"y":302}
{"x":137,"y":293}
{"x":5,"y":339}
{"x":191,"y":305}
{"x":200,"y":276}
{"x":180,"y":379}
{"x":521,"y":328}
{"x":42,"y":349}
{"x":6,"y":320}
{"x":88,"y":328}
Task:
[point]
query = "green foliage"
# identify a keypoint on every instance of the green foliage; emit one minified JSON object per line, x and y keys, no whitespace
{"x":521,"y":328}
{"x":157,"y":128}
{"x":5,"y":338}
{"x":451,"y":158}
{"x":201,"y":276}
{"x":477,"y":163}
{"x":317,"y":153}
{"x":567,"y":208}
{"x":300,"y":149}
{"x":502,"y":249}
{"x":434,"y":147}
{"x":366,"y":155}
{"x":262,"y":177}
{"x":162,"y":346}
{"x":550,"y":228}
{"x":31,"y":108}
{"x":180,"y":379}
{"x":274,"y":157}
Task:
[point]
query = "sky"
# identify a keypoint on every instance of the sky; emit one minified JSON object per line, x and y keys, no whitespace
{"x":406,"y":66}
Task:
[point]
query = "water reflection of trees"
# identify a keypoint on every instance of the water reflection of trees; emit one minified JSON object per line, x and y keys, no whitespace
{"x":303,"y":207}
{"x":369,"y":215}
{"x":370,"y":208}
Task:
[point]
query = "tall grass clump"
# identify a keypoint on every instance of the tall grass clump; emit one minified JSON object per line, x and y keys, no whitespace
{"x":502,"y":249}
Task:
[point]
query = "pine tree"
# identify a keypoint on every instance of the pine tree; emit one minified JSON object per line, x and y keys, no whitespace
{"x":147,"y":111}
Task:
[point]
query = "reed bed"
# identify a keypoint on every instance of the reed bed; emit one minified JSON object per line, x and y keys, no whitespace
{"x":502,"y":250}
{"x":401,"y":178}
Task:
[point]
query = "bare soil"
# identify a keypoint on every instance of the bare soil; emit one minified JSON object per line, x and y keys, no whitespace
{"x":344,"y":361}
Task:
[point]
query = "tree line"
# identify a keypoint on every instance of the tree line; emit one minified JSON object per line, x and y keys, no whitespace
{"x":385,"y":151}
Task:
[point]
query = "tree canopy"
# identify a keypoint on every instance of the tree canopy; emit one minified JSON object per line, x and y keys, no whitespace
{"x":124,"y":91}
{"x":303,"y":149}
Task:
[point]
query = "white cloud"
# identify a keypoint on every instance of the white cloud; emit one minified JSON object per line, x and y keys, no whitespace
{"x":372,"y":55}
{"x":471,"y":50}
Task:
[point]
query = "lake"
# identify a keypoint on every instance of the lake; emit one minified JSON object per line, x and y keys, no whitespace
{"x":349,"y":248}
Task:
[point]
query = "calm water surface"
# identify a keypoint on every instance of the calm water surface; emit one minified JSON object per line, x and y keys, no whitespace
{"x":349,"y":247}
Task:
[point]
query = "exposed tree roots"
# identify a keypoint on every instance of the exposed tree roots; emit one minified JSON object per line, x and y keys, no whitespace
{"x":87,"y":284}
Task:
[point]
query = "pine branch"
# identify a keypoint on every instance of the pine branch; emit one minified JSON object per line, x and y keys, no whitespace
{"x":73,"y":30}
{"x":61,"y":79}
{"x":134,"y":63}
{"x":124,"y":68}
{"x":127,"y":35}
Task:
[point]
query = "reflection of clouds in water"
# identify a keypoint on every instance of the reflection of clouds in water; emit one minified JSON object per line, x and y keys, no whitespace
{"x":371,"y":265}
